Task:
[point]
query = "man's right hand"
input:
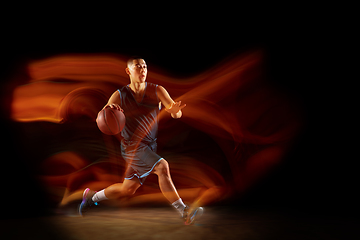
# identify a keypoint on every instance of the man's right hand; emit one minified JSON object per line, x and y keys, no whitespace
{"x":115,"y":106}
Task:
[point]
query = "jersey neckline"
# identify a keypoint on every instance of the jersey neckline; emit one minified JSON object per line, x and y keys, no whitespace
{"x":132,"y":94}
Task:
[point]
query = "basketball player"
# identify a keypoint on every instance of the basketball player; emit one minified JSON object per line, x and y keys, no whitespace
{"x":141,"y":103}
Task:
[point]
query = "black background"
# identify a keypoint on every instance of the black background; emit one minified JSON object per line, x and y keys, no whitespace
{"x":317,"y":176}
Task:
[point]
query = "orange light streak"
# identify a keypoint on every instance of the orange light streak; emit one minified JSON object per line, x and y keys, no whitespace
{"x":230,"y":102}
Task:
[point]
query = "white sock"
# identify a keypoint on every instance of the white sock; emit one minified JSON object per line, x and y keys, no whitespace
{"x":99,"y":196}
{"x":179,"y":205}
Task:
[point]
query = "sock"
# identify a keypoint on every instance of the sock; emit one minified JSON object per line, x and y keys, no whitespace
{"x":99,"y":196}
{"x":179,"y":205}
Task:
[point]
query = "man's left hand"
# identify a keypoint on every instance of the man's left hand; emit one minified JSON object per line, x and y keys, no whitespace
{"x":175,"y":107}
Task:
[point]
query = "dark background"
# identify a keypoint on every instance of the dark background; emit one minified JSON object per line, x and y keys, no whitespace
{"x":317,"y":176}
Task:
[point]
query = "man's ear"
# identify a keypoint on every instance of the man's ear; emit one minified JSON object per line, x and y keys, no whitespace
{"x":127,"y":71}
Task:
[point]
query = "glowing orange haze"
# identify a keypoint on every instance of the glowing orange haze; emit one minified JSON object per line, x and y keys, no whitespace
{"x":229,"y":102}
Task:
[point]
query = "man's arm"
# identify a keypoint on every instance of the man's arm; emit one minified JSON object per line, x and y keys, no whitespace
{"x":174,"y":108}
{"x":114,"y":101}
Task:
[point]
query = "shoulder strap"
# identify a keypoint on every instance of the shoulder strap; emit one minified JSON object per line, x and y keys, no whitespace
{"x":153,"y":90}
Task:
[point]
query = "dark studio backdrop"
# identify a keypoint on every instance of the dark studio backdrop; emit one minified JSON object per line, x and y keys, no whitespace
{"x":316,"y":176}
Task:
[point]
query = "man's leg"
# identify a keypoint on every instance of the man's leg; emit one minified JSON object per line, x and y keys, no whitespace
{"x":168,"y":189}
{"x":165,"y":183}
{"x":167,"y":186}
{"x":118,"y":190}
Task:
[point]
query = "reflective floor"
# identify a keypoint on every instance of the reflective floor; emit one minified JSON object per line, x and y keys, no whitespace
{"x":164,"y":223}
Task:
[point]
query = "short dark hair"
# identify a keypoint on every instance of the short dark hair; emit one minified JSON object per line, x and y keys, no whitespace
{"x":131,"y":59}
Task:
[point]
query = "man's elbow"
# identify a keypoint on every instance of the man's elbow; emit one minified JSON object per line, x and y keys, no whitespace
{"x":176,"y":115}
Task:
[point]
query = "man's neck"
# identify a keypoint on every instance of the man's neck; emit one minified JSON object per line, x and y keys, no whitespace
{"x":137,"y":87}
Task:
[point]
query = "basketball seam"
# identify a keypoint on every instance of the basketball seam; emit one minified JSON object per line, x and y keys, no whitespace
{"x":118,"y":124}
{"x":106,"y":122}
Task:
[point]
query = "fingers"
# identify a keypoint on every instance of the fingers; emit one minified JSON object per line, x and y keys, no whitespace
{"x":178,"y":104}
{"x":175,"y":107}
{"x":175,"y":104}
{"x":115,"y":106}
{"x":181,"y":107}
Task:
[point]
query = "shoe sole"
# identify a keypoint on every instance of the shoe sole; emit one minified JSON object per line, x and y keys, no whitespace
{"x":85,"y":193}
{"x":194,"y":215}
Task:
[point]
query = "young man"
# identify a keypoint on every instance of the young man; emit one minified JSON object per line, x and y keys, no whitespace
{"x":141,"y":103}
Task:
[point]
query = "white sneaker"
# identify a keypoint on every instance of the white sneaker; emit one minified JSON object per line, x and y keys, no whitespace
{"x":190,"y":217}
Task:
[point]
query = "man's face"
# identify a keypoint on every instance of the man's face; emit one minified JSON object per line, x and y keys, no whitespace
{"x":137,"y":70}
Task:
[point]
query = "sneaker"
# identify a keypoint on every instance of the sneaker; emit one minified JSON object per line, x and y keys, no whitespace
{"x":87,"y":201}
{"x":190,"y":217}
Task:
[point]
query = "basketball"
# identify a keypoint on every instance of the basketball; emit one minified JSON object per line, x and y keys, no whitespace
{"x":110,"y":121}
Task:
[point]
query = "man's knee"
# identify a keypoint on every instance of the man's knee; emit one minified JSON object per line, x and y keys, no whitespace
{"x":129,"y":189}
{"x":162,"y":168}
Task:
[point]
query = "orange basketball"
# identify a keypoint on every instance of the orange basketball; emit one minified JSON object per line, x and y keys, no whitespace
{"x":110,"y":121}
